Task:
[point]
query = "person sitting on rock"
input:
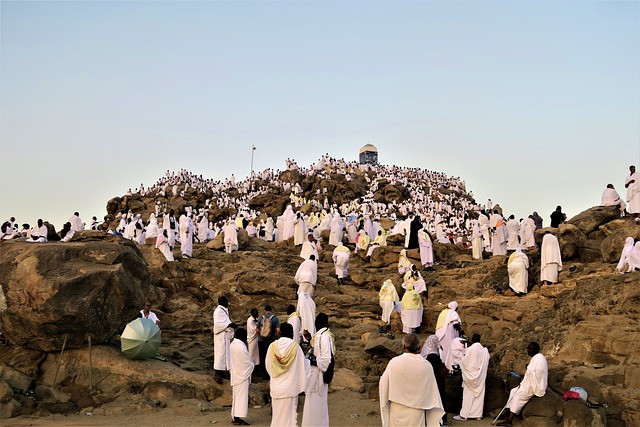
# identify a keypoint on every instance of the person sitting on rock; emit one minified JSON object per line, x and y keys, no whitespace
{"x":534,"y":383}
{"x":39,"y":233}
{"x":148,"y":314}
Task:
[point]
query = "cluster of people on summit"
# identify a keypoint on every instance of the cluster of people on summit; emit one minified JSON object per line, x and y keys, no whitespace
{"x":298,"y":355}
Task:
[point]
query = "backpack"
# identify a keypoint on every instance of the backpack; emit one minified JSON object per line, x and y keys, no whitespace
{"x":265,"y":330}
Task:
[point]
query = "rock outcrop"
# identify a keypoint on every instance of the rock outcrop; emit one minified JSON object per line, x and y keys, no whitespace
{"x":57,"y":290}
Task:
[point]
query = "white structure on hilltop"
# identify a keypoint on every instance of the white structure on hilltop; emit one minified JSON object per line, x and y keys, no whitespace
{"x":369,"y":155}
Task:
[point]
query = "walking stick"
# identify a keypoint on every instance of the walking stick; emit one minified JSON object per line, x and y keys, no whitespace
{"x":90,"y":367}
{"x":64,"y":343}
{"x":505,"y":407}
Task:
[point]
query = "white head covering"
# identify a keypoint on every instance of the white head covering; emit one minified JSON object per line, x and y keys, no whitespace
{"x":453,"y":305}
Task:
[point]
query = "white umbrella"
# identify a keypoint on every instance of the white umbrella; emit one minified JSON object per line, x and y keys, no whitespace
{"x":140,"y":339}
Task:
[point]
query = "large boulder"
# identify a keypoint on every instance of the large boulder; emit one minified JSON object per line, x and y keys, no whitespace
{"x":92,"y":285}
{"x":591,"y":219}
{"x":616,"y":233}
{"x":569,"y":237}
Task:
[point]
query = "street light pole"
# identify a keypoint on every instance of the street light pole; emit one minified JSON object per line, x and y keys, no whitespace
{"x":253,"y":148}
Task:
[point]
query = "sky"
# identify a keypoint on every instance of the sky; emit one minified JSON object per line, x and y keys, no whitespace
{"x":533,"y":104}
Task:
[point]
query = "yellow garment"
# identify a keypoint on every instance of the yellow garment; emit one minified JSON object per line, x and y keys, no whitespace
{"x":411,"y":299}
{"x":282,"y":362}
{"x":511,"y":258}
{"x":442,"y":317}
{"x":363,"y":241}
{"x":380,"y":240}
{"x":342,"y":248}
{"x":388,"y":292}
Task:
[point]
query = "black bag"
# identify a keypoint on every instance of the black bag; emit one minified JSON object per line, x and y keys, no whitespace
{"x":327,"y":376}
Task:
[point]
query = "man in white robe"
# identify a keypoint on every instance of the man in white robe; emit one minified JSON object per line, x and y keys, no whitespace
{"x":476,"y":239}
{"x":39,"y":233}
{"x":448,"y":327}
{"x":169,"y":224}
{"x":610,"y":197}
{"x":222,"y":333}
{"x":336,"y":225}
{"x":316,"y":407}
{"x":76,"y":223}
{"x":408,"y":391}
{"x":295,"y":321}
{"x":186,"y":236}
{"x":534,"y":383}
{"x":518,"y":269}
{"x":299,"y":229}
{"x":289,"y":371}
{"x":252,"y":336}
{"x":162,"y":243}
{"x":230,"y":236}
{"x":513,"y":231}
{"x":309,"y":247}
{"x":483,"y":221}
{"x":307,"y":310}
{"x":152,"y":226}
{"x":550,"y":259}
{"x":632,"y":184}
{"x":203,"y":229}
{"x":241,"y":368}
{"x":388,"y":298}
{"x":307,"y":276}
{"x":288,"y":218}
{"x":528,"y":233}
{"x":474,"y":366}
{"x":340,"y":257}
{"x":498,"y":237}
{"x":426,"y":248}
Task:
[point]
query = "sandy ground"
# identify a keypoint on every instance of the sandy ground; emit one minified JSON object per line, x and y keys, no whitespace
{"x":345,"y":409}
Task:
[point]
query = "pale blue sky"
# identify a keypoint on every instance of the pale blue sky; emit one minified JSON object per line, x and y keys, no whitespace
{"x":532,"y":103}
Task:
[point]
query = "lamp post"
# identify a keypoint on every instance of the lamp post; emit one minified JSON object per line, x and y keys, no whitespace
{"x":253,"y":148}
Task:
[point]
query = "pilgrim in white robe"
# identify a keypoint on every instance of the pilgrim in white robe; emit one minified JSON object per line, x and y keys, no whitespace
{"x":412,"y":309}
{"x":633,"y":192}
{"x":362,"y":241}
{"x":169,"y":224}
{"x":287,"y":222}
{"x":534,"y":383}
{"x":316,"y":408}
{"x":426,"y":248}
{"x":336,"y":225}
{"x":415,"y":279}
{"x":474,"y":368}
{"x":550,"y":259}
{"x":306,"y":277}
{"x":162,"y":243}
{"x":498,"y":237}
{"x":241,"y":368}
{"x":76,"y":223}
{"x":203,"y":229}
{"x":230,"y":237}
{"x":634,"y":258}
{"x":476,"y":240}
{"x":404,"y":264}
{"x":222,"y":335}
{"x":380,"y":240}
{"x":296,"y":323}
{"x":308,"y":248}
{"x":527,"y":233}
{"x":623,"y":263}
{"x":152,"y":226}
{"x":446,"y":332}
{"x":269,"y":229}
{"x":409,"y":393}
{"x":388,"y":297}
{"x":307,"y":310}
{"x":483,"y":221}
{"x":610,"y":197}
{"x":341,"y":255}
{"x":252,"y":340}
{"x":289,"y":378}
{"x":512,"y":229}
{"x":299,"y":230}
{"x":186,"y":236}
{"x":458,"y":349}
{"x":517,"y":267}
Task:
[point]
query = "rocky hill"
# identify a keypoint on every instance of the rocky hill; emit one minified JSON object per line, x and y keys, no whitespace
{"x":82,"y":293}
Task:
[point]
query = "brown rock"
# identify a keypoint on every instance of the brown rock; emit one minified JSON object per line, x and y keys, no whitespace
{"x":592,"y":218}
{"x":6,"y":393}
{"x":70,"y":289}
{"x":539,"y":422}
{"x":549,"y":406}
{"x":10,"y":409}
{"x":165,"y":391}
{"x":346,"y":379}
{"x":14,"y":378}
{"x":577,"y":413}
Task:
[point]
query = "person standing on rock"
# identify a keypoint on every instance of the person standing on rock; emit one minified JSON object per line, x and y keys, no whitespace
{"x":431,"y":352}
{"x":474,"y":368}
{"x":632,"y":184}
{"x":240,"y":371}
{"x":222,"y":333}
{"x":268,"y":330}
{"x":230,"y":236}
{"x":550,"y":259}
{"x":294,"y":321}
{"x":534,"y":383}
{"x":186,"y":235}
{"x":340,"y":256}
{"x":448,"y":327}
{"x":409,"y":393}
{"x":309,"y":247}
{"x":557,"y":217}
{"x":412,"y":309}
{"x":289,"y":371}
{"x":316,"y":407}
{"x":307,"y":276}
{"x":388,"y":297}
{"x":252,"y":336}
{"x":517,"y":267}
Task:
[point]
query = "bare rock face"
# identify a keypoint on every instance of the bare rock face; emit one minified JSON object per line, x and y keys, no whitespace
{"x":616,"y":232}
{"x":88,"y":286}
{"x":591,"y":219}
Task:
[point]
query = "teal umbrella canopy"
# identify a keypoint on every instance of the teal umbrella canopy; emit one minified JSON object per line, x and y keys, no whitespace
{"x":141,"y":339}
